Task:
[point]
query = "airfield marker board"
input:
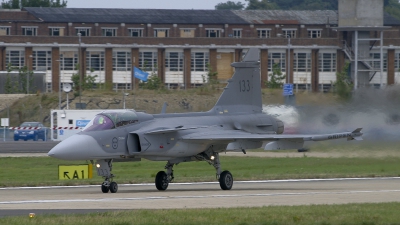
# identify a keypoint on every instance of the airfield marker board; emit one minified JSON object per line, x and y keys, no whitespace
{"x":75,"y":172}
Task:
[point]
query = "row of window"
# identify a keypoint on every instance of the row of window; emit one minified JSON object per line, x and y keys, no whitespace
{"x":302,"y":62}
{"x":174,"y":61}
{"x":161,"y":32}
{"x":121,"y":60}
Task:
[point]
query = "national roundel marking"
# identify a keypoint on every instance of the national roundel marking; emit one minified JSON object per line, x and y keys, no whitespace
{"x":115,"y":143}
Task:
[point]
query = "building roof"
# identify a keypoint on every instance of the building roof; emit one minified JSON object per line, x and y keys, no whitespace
{"x":289,"y":16}
{"x":389,"y":20}
{"x":156,"y":16}
{"x":177,"y":16}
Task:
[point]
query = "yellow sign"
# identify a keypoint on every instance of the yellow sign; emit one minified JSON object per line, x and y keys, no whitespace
{"x":75,"y":172}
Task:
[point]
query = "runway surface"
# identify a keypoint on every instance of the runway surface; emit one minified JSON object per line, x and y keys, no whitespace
{"x":26,"y":146}
{"x":198,"y":195}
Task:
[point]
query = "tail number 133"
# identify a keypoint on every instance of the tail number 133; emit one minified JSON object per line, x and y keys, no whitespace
{"x":244,"y":85}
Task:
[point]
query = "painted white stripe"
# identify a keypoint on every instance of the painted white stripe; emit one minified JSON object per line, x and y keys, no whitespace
{"x":214,"y":182}
{"x":195,"y":196}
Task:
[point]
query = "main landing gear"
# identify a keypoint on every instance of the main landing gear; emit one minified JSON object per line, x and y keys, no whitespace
{"x":104,"y":168}
{"x":164,"y":178}
{"x":225,"y":178}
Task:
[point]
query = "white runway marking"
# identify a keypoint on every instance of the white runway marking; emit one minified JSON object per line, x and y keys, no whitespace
{"x":205,"y":194}
{"x":198,"y":196}
{"x":206,"y":183}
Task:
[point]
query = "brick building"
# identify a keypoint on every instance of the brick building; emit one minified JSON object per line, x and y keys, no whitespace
{"x":180,"y":45}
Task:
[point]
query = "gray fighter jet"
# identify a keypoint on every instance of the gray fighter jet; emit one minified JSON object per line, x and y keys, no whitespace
{"x":235,"y":123}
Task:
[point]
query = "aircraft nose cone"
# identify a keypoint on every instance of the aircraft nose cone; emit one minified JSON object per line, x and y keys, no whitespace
{"x":76,"y":147}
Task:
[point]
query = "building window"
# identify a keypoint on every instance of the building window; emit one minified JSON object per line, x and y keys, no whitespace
{"x":83,"y":31}
{"x":135,"y":32}
{"x":69,"y":60}
{"x":41,"y":60}
{"x":199,"y":61}
{"x":213,"y":33}
{"x":122,"y":61}
{"x":327,"y":62}
{"x":237,"y":33}
{"x":15,"y":58}
{"x":109,"y":32}
{"x":397,"y":61}
{"x":174,"y":61}
{"x":94,"y":61}
{"x":263,"y":33}
{"x":302,"y":62}
{"x":189,"y":33}
{"x":376,"y":63}
{"x":4,"y":31}
{"x":49,"y":87}
{"x":289,"y":33}
{"x":29,"y":31}
{"x":277,"y":58}
{"x":148,"y":61}
{"x":56,"y":31}
{"x":314,"y":33}
{"x":161,"y":33}
{"x":121,"y":86}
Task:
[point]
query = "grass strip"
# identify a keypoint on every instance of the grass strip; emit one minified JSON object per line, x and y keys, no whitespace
{"x":38,"y":171}
{"x":365,"y":214}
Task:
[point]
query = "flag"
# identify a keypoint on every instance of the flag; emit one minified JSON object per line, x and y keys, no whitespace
{"x":139,"y":74}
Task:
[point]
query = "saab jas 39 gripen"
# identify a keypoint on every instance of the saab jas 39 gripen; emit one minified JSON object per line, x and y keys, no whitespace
{"x":235,"y":123}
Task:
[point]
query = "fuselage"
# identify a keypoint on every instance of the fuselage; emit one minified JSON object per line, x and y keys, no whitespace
{"x":157,"y":137}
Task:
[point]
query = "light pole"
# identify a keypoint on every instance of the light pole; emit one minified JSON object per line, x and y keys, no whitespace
{"x":80,"y":70}
{"x":125,"y":95}
{"x":27,"y":74}
{"x":59,"y":83}
{"x":288,"y":63}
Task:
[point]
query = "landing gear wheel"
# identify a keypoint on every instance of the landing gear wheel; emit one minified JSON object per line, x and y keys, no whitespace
{"x":226,"y":180}
{"x":113,"y":187}
{"x":104,"y":188}
{"x":162,"y":181}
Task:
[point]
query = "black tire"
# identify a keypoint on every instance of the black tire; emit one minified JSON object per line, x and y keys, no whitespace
{"x":104,"y":188}
{"x":36,"y":138}
{"x":226,"y":180}
{"x":161,"y":181}
{"x":113,"y":187}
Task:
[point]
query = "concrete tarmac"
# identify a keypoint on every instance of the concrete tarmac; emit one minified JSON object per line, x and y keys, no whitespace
{"x":199,"y":195}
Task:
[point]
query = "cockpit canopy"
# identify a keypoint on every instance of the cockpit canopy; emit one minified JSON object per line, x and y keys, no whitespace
{"x":111,"y":119}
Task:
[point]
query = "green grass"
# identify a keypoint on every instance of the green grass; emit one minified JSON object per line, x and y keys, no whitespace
{"x":361,"y":214}
{"x":39,"y":171}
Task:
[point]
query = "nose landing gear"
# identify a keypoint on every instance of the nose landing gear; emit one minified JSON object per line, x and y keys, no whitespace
{"x":104,"y":168}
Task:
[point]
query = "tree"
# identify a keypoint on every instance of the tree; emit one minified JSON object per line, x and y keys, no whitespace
{"x":343,"y":84}
{"x":392,"y":7}
{"x":14,"y":4}
{"x":229,"y":5}
{"x":276,"y":77}
{"x":88,"y":82}
{"x":261,"y":4}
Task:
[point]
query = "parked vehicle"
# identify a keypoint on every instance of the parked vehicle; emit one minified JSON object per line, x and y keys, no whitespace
{"x":31,"y":130}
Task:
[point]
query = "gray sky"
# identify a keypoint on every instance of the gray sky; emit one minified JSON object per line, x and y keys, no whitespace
{"x":146,"y":4}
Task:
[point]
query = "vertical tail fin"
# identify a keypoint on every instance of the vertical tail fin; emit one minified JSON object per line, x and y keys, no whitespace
{"x":243,"y":92}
